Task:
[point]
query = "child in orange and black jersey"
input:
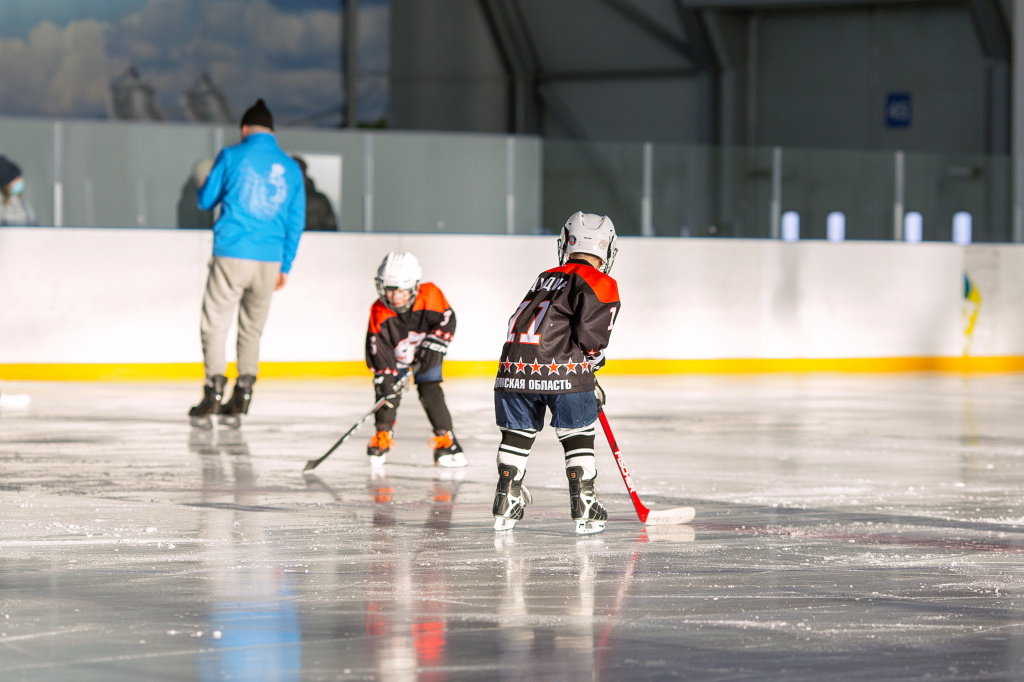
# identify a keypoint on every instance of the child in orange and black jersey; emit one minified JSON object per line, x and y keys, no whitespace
{"x":410,"y":324}
{"x":556,"y":340}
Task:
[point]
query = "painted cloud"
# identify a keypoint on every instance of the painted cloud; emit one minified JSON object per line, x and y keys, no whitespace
{"x":250,"y":49}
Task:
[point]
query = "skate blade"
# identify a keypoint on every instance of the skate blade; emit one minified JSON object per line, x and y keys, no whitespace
{"x":377,"y":461}
{"x":451,"y":461}
{"x":502,"y":524}
{"x":589,"y":526}
{"x":232,"y":421}
{"x":203,"y":422}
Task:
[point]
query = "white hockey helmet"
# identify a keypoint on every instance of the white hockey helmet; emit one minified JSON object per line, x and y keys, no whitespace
{"x":398,"y":271}
{"x":588,"y":233}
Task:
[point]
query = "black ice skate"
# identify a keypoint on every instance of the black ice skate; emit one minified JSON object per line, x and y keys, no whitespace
{"x":587,"y":512}
{"x":213,"y":393}
{"x":447,"y":451}
{"x":510,"y":499}
{"x":241,"y":396}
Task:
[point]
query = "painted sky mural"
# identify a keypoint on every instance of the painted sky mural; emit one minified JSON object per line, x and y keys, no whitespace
{"x":60,"y":57}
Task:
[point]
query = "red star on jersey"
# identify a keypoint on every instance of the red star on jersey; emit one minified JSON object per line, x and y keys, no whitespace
{"x":585,"y":367}
{"x":520,"y":366}
{"x":506,"y":366}
{"x":553,"y":368}
{"x":571,"y":366}
{"x":536,"y":367}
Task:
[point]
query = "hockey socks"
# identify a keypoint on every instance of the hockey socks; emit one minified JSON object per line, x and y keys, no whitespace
{"x":432,"y":399}
{"x":578,"y":445}
{"x":515,"y":447}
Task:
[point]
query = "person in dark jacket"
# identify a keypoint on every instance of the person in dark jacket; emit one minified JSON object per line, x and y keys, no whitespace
{"x":319,"y":212}
{"x":555,"y":344}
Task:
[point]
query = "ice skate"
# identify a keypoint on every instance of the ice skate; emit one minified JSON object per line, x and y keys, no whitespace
{"x":588,"y":513}
{"x":379,"y":447}
{"x":447,"y":451}
{"x":213,"y":393}
{"x":241,"y":396}
{"x":231,"y":412}
{"x":510,"y":499}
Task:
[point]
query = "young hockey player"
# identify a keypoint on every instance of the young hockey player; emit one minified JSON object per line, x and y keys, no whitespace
{"x":556,"y":341}
{"x":410,"y":323}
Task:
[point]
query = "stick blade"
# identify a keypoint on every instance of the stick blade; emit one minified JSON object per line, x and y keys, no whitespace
{"x":670,"y":517}
{"x":310,"y":464}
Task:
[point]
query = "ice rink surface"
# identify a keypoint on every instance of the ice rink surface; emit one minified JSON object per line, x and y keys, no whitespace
{"x":866,"y":527}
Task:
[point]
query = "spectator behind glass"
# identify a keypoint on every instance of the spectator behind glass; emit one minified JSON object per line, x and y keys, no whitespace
{"x":190,"y":215}
{"x":319,"y":213}
{"x":14,"y":209}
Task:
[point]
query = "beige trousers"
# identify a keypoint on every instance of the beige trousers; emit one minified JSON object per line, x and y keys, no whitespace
{"x":247,"y":285}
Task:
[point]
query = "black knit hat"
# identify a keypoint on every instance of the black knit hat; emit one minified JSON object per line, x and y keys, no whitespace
{"x":8,"y":171}
{"x":258,"y":115}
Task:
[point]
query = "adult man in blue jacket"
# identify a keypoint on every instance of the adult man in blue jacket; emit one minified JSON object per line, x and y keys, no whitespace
{"x":263,"y":211}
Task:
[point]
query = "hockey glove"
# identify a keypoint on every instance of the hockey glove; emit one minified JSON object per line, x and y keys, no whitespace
{"x":431,"y":353}
{"x":599,"y":395}
{"x":384,"y":385}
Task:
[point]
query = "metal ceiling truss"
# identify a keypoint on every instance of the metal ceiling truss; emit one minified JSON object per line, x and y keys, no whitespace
{"x":527,"y":75}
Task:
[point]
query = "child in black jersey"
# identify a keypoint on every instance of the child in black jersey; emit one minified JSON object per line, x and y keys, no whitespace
{"x":410,"y":324}
{"x":556,"y":340}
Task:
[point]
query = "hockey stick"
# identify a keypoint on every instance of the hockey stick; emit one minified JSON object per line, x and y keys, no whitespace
{"x":648,"y":516}
{"x":399,"y":387}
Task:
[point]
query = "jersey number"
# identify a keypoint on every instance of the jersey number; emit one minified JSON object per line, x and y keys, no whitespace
{"x":530,"y":335}
{"x":612,"y":323}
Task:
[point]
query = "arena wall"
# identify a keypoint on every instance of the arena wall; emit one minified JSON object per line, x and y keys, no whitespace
{"x":124,"y":304}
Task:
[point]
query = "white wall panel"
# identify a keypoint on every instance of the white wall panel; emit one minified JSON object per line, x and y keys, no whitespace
{"x":133,"y":296}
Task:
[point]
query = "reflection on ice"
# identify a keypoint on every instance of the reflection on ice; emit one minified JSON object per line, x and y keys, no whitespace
{"x":253,"y":620}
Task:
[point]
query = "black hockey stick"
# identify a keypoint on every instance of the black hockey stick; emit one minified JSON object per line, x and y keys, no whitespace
{"x":648,"y":516}
{"x":399,"y":387}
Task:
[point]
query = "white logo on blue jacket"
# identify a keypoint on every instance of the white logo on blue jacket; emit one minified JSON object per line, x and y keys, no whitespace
{"x":262,"y":197}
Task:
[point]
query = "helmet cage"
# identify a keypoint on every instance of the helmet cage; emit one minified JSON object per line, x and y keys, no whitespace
{"x":382,"y":294}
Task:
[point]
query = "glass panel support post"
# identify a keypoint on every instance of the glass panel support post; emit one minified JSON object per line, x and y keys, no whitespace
{"x":510,"y":185}
{"x":1018,"y":198}
{"x":368,"y":183}
{"x":776,"y":200}
{"x":58,"y":174}
{"x":899,"y":175}
{"x":646,"y":226}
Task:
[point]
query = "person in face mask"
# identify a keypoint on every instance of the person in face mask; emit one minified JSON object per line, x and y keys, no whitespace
{"x":14,"y":207}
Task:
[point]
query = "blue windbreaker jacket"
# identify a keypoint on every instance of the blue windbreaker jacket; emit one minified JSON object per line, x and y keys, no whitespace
{"x":263,"y":201}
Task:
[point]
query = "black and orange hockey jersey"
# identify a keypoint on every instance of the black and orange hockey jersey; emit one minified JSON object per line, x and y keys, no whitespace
{"x":393,"y":338}
{"x":557,"y":335}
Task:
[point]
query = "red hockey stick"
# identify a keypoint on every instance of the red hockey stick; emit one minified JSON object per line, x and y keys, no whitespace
{"x":648,"y":516}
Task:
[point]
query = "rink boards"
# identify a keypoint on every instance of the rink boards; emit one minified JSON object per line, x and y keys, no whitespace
{"x":101,"y":304}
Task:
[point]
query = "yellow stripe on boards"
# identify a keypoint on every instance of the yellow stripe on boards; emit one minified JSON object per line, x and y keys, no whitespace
{"x":466,"y":368}
{"x":311,"y":371}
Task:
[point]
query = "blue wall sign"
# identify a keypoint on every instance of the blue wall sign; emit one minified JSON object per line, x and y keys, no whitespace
{"x":898,"y":110}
